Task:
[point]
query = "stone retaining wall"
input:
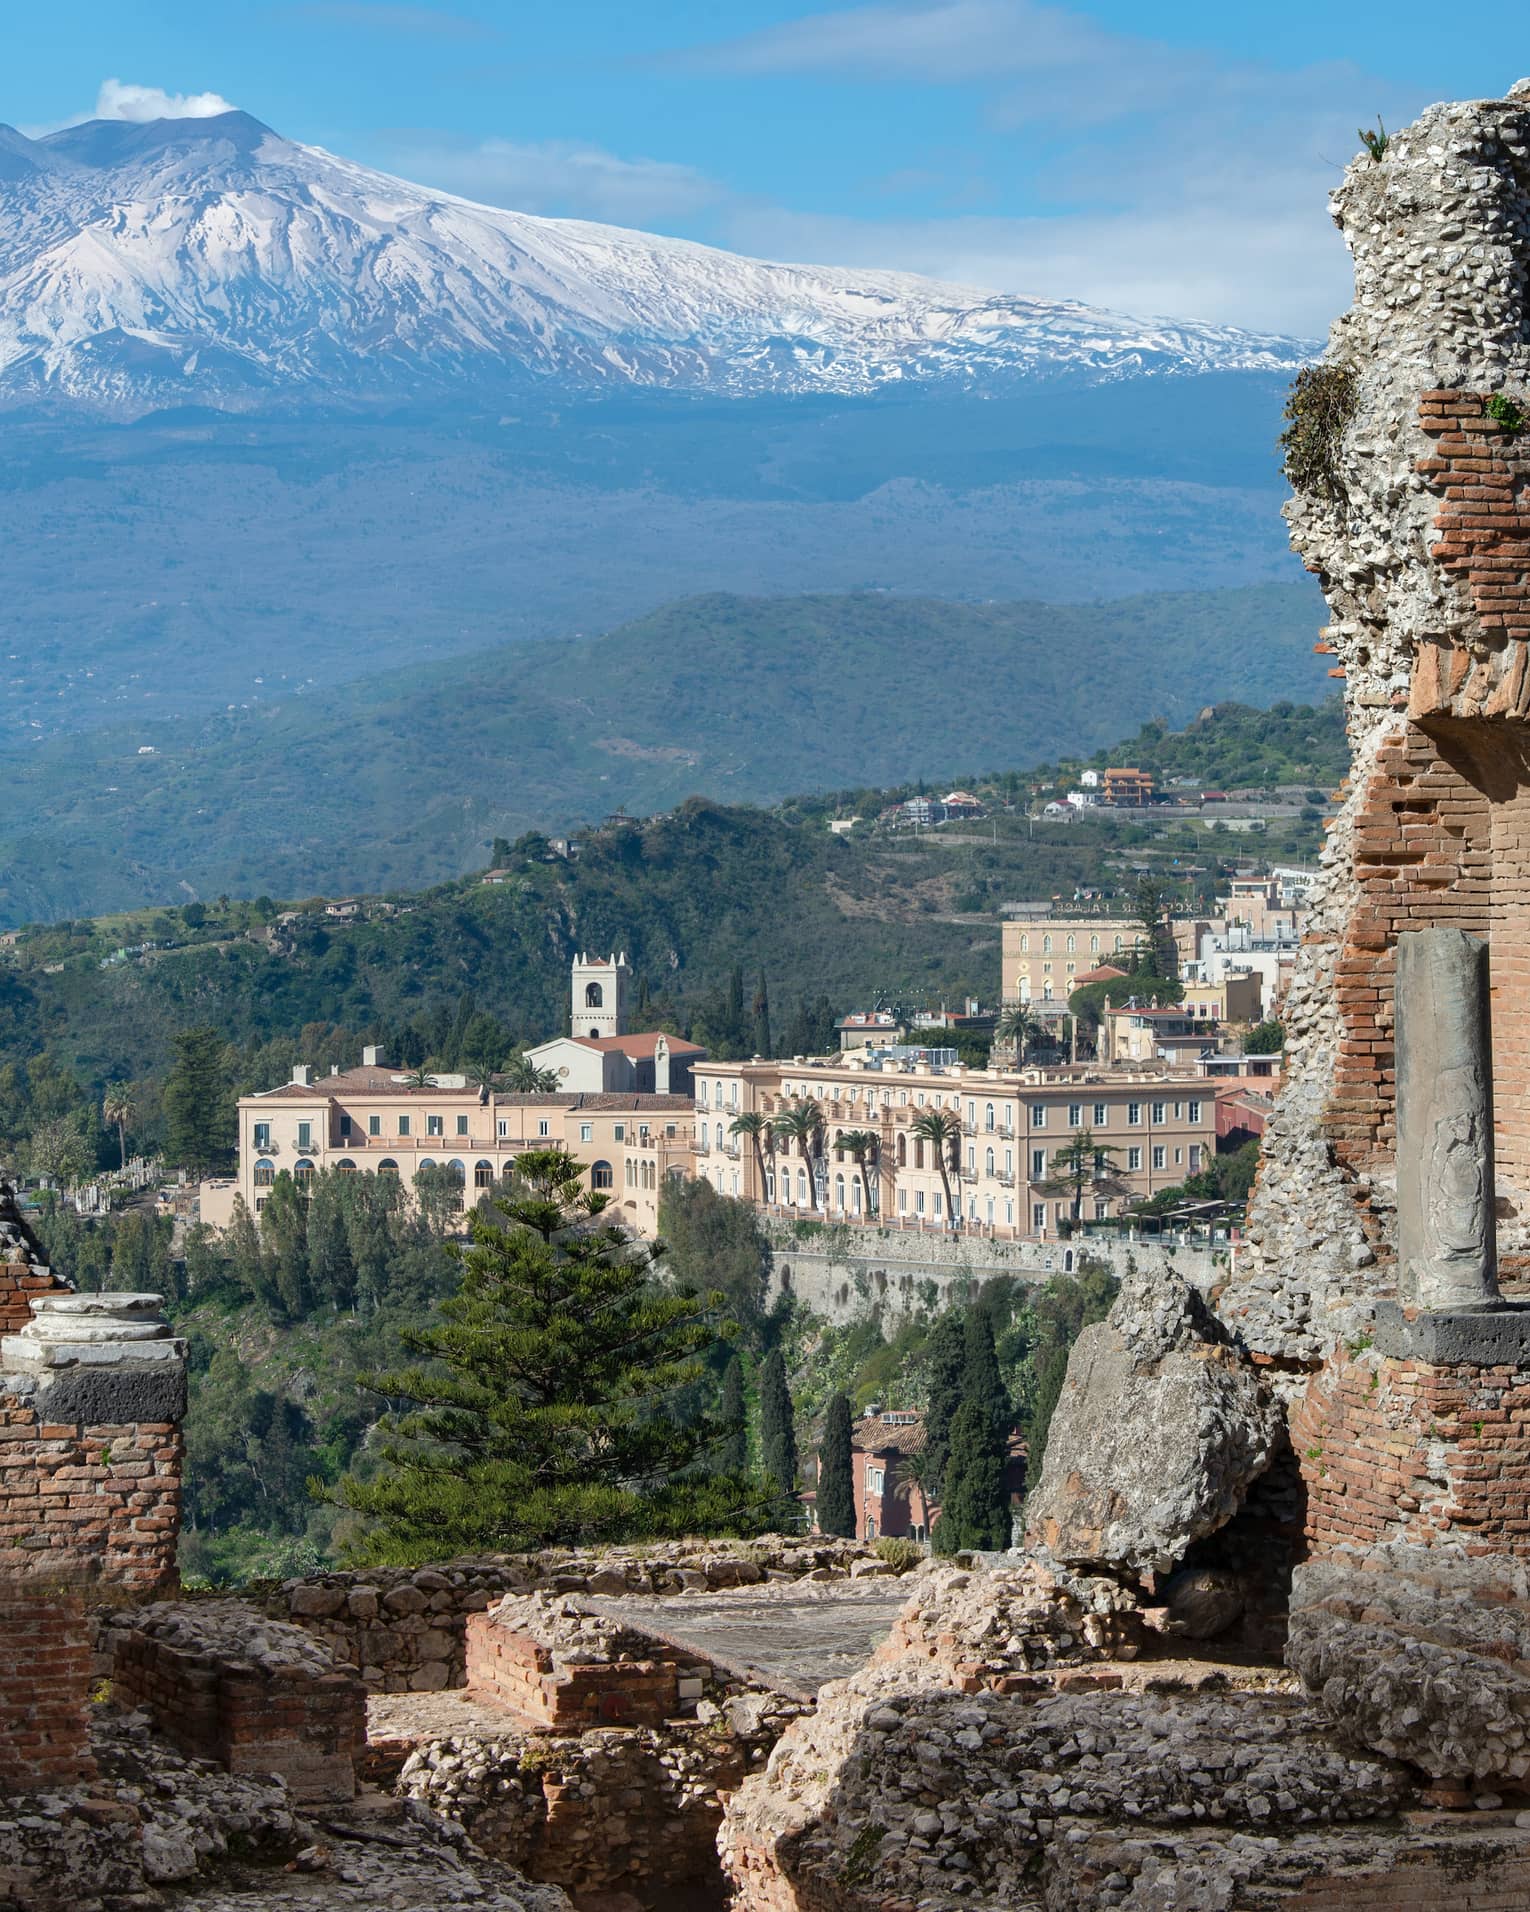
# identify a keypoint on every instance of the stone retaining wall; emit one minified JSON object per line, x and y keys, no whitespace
{"x":405,"y":1631}
{"x":843,"y":1271}
{"x":44,"y":1677}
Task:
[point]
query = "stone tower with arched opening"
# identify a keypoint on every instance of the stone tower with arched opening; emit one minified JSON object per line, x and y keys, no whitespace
{"x":599,"y":995}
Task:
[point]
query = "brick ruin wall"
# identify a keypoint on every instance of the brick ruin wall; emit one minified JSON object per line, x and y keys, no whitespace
{"x":44,"y":1678}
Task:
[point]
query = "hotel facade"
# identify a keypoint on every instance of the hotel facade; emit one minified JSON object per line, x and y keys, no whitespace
{"x":1154,"y":1126}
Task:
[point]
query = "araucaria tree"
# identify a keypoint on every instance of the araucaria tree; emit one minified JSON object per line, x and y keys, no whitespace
{"x":778,"y":1435}
{"x":1083,"y":1165}
{"x":974,"y":1509}
{"x":543,"y":1410}
{"x":836,"y":1482}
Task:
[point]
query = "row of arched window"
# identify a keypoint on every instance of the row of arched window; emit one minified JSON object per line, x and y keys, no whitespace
{"x":484,"y":1175}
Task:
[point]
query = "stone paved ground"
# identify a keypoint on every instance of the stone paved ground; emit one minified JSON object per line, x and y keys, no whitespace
{"x":791,"y":1636}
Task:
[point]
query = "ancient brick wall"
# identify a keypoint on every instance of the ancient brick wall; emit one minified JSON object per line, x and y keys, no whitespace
{"x":44,"y":1682}
{"x":20,"y":1279}
{"x":94,"y":1501}
{"x":223,"y":1684}
{"x":524,"y":1674}
{"x":1399,"y":1450}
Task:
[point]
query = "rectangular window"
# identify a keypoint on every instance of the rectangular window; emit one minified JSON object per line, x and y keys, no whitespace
{"x":586,"y":1131}
{"x":1158,"y":1111}
{"x":462,"y":1125}
{"x":1009,"y":1161}
{"x":544,"y":1127}
{"x":1038,"y":1217}
{"x":434,"y":1125}
{"x":1179,"y":1110}
{"x":403,"y":1125}
{"x":902,"y":1199}
{"x":620,"y":1132}
{"x":919,"y":1202}
{"x":936,"y":1199}
{"x":1133,"y":1160}
{"x":1075,"y":1115}
{"x":345,"y":1126}
{"x":1134,"y":1115}
{"x":1038,"y":1115}
{"x":1179,"y":1156}
{"x":1101,"y":1114}
{"x":262,"y":1135}
{"x":1038,"y":1164}
{"x":1195,"y":1156}
{"x":305,"y":1135}
{"x":1195,"y":1111}
{"x":1158,"y":1157}
{"x":1101,"y":1209}
{"x":374,"y":1125}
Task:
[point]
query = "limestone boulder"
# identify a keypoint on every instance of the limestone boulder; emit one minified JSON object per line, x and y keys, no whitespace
{"x":1419,"y":1654}
{"x":1160,"y":1428}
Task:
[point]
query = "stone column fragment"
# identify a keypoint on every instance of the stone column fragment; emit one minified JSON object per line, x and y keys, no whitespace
{"x":1447,"y":1244}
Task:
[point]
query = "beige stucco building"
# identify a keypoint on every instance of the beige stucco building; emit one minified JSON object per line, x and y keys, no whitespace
{"x":1041,"y":956}
{"x":371,"y":1121}
{"x":1161,"y":1126}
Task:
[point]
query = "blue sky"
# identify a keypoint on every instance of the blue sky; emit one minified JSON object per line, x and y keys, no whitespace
{"x":1167,"y":160}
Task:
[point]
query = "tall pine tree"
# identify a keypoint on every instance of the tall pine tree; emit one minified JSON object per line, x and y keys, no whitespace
{"x":761,"y":1018}
{"x":778,"y":1435}
{"x":836,"y":1480}
{"x":546,"y":1413}
{"x":974,"y":1510}
{"x":199,"y":1103}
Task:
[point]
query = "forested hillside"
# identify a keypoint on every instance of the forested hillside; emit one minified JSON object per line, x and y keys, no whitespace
{"x":404,"y":778}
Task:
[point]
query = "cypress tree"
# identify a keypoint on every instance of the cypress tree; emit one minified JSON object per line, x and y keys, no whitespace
{"x":1049,"y":1385}
{"x":836,"y":1479}
{"x":778,"y":1436}
{"x":733,"y":1448}
{"x":974,"y":1511}
{"x":982,"y":1382}
{"x":945,"y":1360}
{"x":761,"y":1016}
{"x":546,"y":1411}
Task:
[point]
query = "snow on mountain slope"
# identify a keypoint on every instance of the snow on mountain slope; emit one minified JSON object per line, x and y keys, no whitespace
{"x":211,"y":261}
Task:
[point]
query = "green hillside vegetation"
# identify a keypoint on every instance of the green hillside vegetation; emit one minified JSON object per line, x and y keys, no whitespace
{"x":404,"y":778}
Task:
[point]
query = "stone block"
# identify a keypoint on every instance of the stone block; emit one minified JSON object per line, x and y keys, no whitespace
{"x":1495,"y":1335}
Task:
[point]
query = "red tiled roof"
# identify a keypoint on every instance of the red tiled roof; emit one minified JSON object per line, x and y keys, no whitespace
{"x":643,"y":1045}
{"x":1102,"y":973}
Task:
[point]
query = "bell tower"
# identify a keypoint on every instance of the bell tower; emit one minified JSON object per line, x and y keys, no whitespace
{"x":599,"y":995}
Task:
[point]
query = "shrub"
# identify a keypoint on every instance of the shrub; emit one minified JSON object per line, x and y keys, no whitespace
{"x":1319,"y":406}
{"x":899,"y":1551}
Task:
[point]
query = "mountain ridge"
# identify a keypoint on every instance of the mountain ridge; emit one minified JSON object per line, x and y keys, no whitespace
{"x":213,"y":261}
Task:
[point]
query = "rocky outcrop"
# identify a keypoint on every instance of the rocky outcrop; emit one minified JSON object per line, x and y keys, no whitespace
{"x":1419,"y":1654}
{"x":1161,"y":1425}
{"x":890,"y":1798}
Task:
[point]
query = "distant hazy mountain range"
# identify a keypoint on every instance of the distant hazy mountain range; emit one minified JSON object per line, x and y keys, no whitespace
{"x":212,"y":261}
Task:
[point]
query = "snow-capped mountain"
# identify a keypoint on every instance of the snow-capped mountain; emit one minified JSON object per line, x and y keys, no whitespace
{"x":212,"y":261}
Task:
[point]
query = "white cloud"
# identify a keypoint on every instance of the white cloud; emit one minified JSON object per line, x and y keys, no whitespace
{"x":124,"y":100}
{"x":559,"y":177}
{"x":1167,"y":180}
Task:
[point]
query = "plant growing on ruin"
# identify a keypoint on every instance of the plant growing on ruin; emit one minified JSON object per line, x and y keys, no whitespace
{"x":1318,"y":410}
{"x":546,"y":1408}
{"x":1506,"y":414}
{"x":1376,"y":143}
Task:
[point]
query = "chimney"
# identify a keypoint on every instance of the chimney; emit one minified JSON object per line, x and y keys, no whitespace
{"x":302,"y":1075}
{"x":372,"y":1057}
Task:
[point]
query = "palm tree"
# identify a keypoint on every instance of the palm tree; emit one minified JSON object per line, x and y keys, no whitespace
{"x":526,"y":1078}
{"x":863,"y":1145}
{"x":1020,"y":1025}
{"x":943,"y":1131}
{"x":420,"y":1077}
{"x":117,"y":1110}
{"x":1083,"y":1163}
{"x":802,"y":1123}
{"x":756,"y":1125}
